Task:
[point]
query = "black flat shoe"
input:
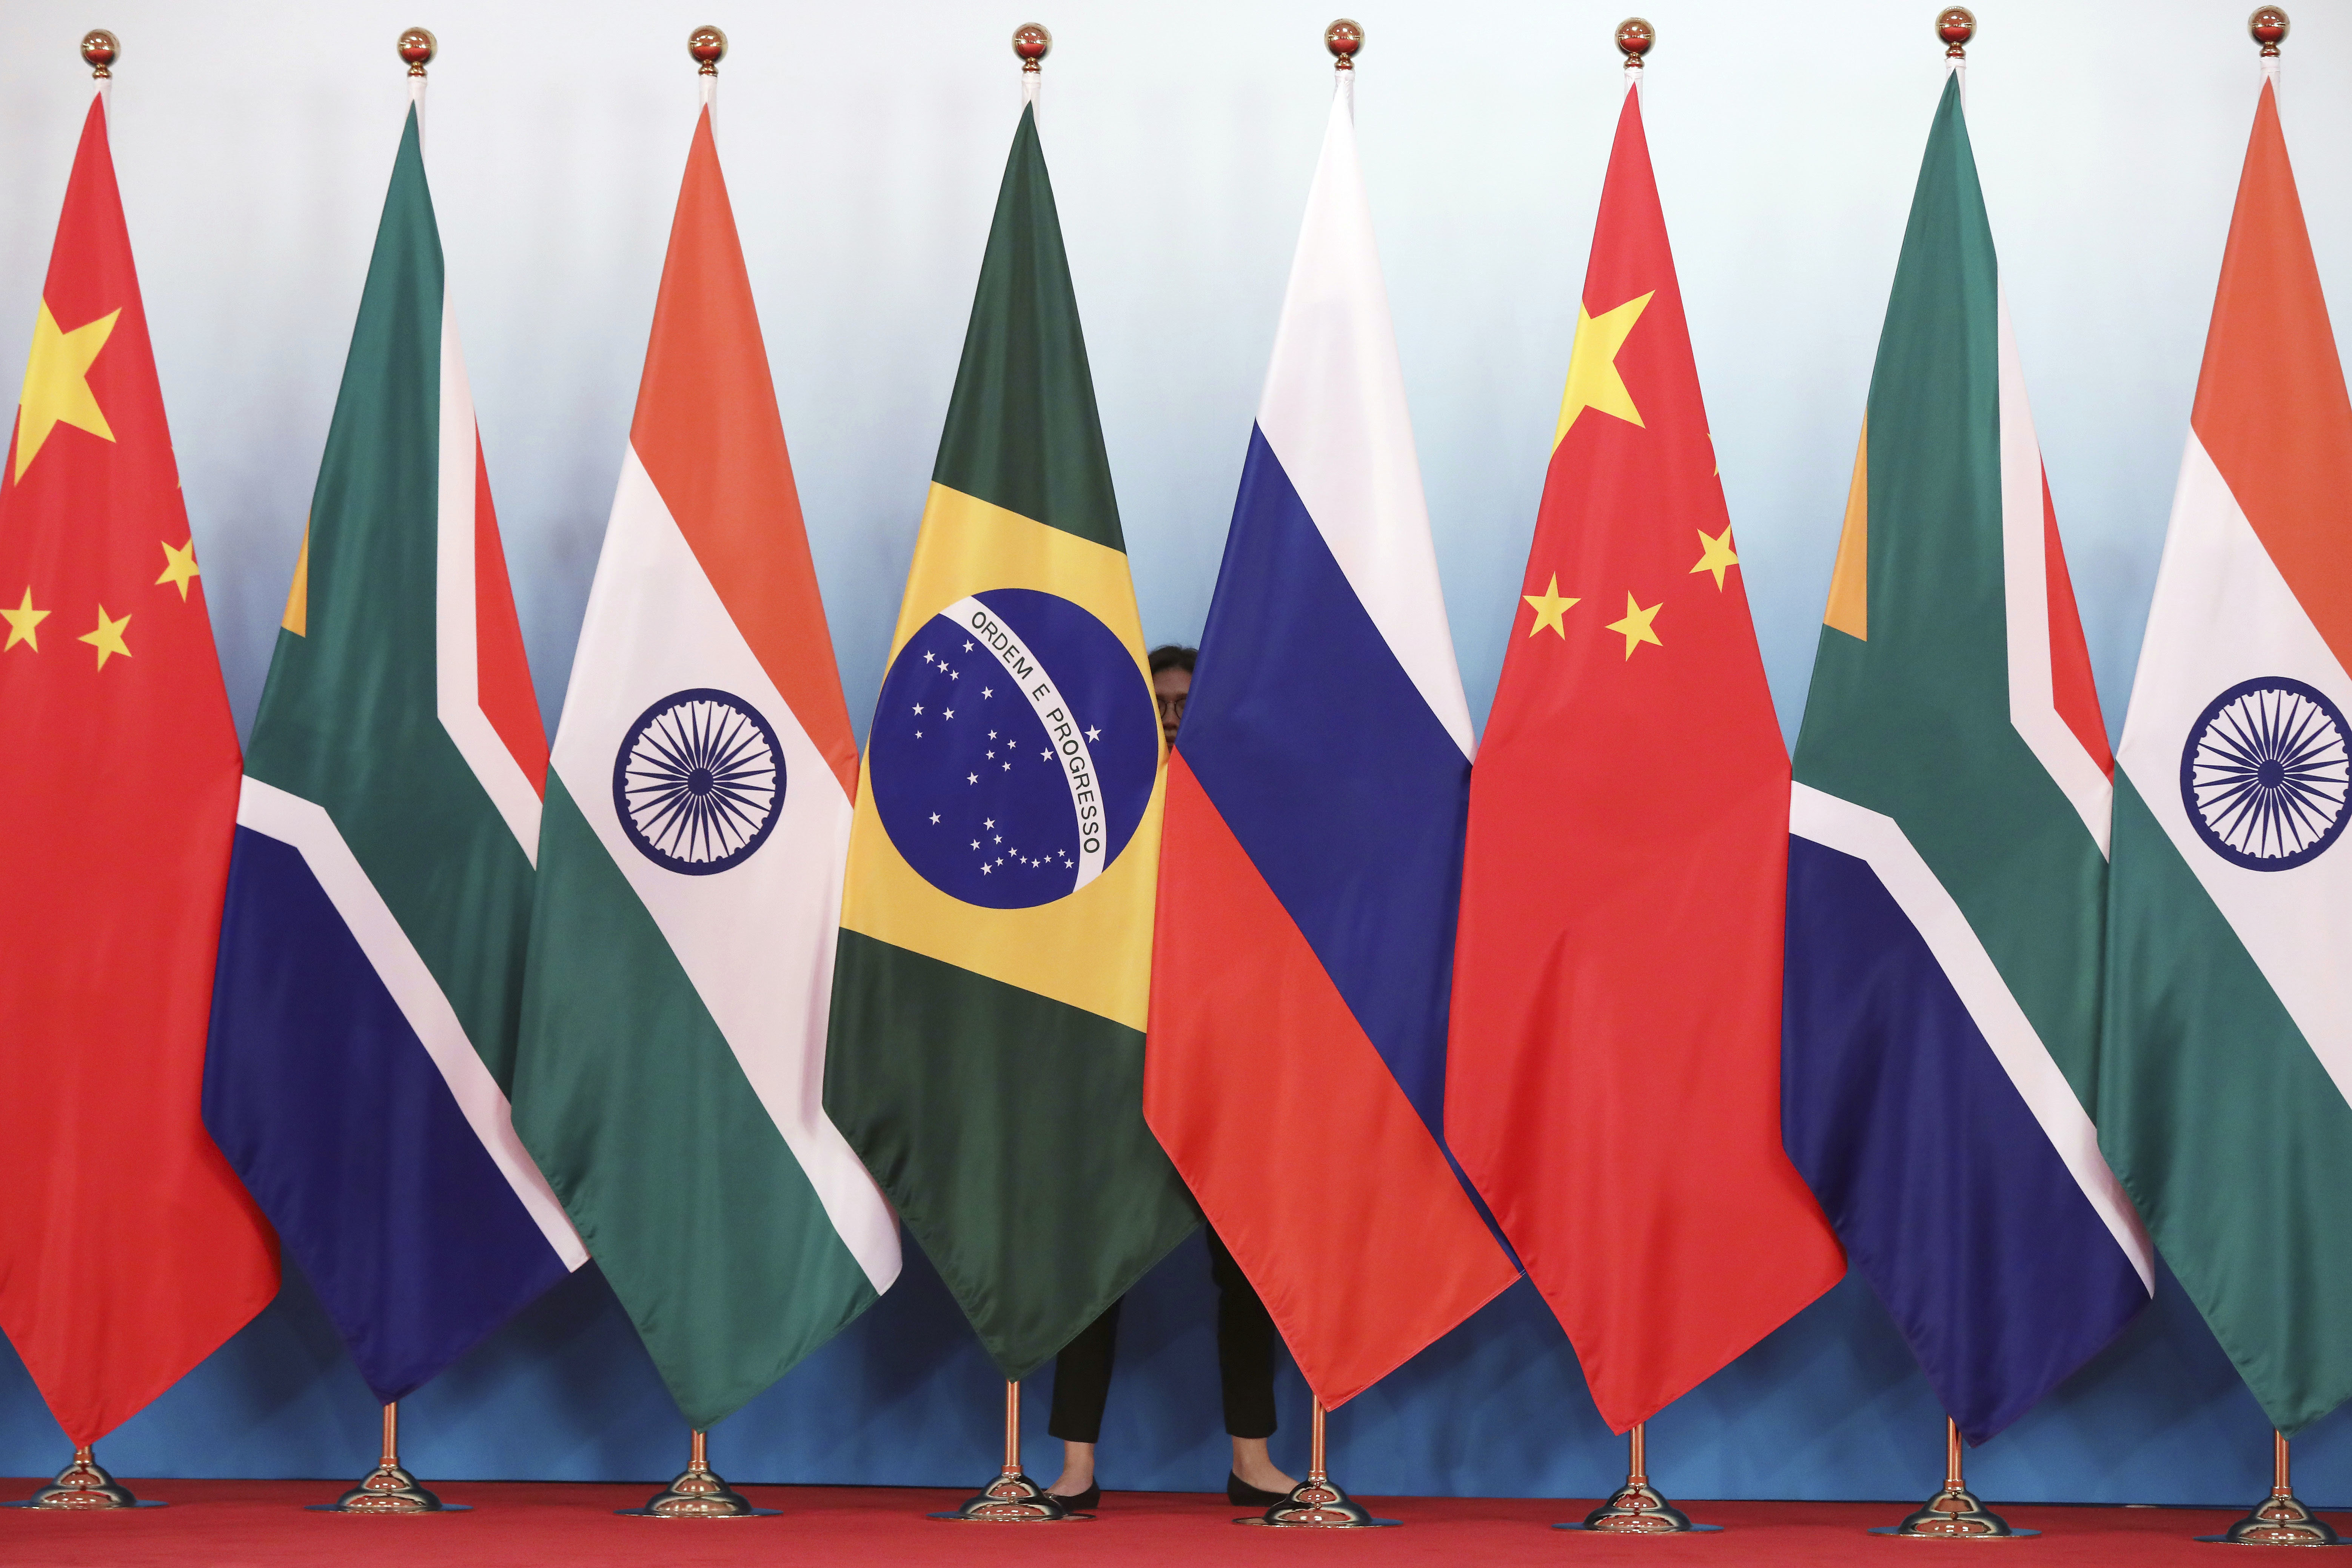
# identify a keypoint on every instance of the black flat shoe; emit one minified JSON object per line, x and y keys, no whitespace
{"x":1241,"y":1494}
{"x":1086,"y":1500}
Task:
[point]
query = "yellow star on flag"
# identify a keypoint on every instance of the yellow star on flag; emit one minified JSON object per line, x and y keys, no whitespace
{"x":1592,"y":378}
{"x":108,"y":637}
{"x":1718,"y":555}
{"x":179,"y":565}
{"x":1549,"y":607}
{"x":57,"y":384}
{"x":24,"y":623}
{"x":1635,"y":627}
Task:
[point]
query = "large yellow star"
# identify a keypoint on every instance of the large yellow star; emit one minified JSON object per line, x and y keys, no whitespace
{"x":108,"y":637}
{"x":1717,"y":555}
{"x":56,"y":384}
{"x":24,"y":623}
{"x":1549,"y":607}
{"x":1635,"y":627}
{"x":1592,"y":378}
{"x":180,"y":564}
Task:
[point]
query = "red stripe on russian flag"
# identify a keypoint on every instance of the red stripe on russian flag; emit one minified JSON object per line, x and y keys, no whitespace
{"x":1272,"y":1101}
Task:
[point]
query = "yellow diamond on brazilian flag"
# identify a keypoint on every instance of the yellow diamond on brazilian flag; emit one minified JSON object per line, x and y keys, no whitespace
{"x":986,"y":1053}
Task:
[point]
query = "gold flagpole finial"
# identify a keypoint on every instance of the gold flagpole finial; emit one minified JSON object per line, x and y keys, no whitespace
{"x":1634,"y":38}
{"x":1956,"y":25}
{"x":706,"y":46}
{"x":2267,"y":24}
{"x":102,"y":49}
{"x":419,"y":47}
{"x":1343,"y":38}
{"x":1033,"y":43}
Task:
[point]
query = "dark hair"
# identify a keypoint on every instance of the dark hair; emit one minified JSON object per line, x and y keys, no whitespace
{"x":1173,"y":656}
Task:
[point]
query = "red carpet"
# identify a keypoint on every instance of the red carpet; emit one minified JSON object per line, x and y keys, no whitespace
{"x":261,"y":1524}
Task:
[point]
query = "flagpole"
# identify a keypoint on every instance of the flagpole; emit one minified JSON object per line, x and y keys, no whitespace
{"x":1318,"y":1502}
{"x":1637,"y":1507}
{"x":389,"y":1489}
{"x":1954,"y":1513}
{"x":697,"y":1491}
{"x":2280,"y":1519}
{"x":82,"y":1487}
{"x":1012,"y":1498}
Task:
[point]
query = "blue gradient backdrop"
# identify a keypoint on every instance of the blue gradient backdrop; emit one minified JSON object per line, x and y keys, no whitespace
{"x":863,"y":148}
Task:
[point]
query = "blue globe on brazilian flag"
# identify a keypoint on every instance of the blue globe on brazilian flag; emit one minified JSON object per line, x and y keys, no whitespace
{"x":986,"y":1052}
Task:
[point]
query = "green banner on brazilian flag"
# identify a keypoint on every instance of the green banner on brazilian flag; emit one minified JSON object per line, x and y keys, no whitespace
{"x":986,"y":1053}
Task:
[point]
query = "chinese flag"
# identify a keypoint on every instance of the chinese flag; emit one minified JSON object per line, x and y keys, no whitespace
{"x":127,"y":1251}
{"x":1613,"y":1084}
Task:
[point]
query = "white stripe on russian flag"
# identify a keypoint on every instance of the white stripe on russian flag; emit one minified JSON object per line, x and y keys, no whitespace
{"x":1334,"y":413}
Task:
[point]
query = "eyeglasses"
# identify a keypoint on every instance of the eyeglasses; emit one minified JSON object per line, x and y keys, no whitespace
{"x":1172,"y":709}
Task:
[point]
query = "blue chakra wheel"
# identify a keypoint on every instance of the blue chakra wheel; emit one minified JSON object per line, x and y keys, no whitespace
{"x":2265,"y":774}
{"x":698,"y":781}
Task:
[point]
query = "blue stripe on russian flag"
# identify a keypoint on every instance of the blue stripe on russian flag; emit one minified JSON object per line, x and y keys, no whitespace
{"x":325,"y":1101}
{"x":1324,"y":761}
{"x":1898,"y":1114}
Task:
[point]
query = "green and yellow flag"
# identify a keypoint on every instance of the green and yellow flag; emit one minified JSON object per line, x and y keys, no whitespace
{"x":986,"y":1053}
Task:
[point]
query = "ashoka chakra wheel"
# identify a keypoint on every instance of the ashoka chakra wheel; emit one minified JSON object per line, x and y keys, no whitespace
{"x":2266,"y":772}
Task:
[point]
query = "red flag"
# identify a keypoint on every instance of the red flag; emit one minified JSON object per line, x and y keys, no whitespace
{"x":127,"y":1251}
{"x":1613,"y":1087}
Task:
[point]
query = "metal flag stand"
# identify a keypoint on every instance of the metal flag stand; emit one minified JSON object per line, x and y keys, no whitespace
{"x":83,"y":1488}
{"x":1316,"y":1502}
{"x":1637,"y":1507}
{"x":1012,"y":1498}
{"x":2280,"y":1519}
{"x":389,"y":1489}
{"x":1954,"y":1514}
{"x":698,"y":1492}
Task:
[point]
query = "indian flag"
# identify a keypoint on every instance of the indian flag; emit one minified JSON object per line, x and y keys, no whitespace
{"x":2226,"y":1065}
{"x":691,"y":862}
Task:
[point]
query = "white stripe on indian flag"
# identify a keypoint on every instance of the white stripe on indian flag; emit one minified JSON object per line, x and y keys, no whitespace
{"x":757,"y":940}
{"x":2222,"y":614}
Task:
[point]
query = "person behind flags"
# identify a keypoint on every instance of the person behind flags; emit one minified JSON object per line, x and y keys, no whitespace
{"x":1297,"y":1046}
{"x":128,"y":1250}
{"x":370,"y":961}
{"x":1947,"y":864}
{"x":1613,"y":1087}
{"x":2225,"y":1083}
{"x":690,"y":865}
{"x":986,"y":1058}
{"x":1246,"y":1335}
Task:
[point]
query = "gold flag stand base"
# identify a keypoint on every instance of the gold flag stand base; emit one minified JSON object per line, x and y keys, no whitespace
{"x":1012,"y":1498}
{"x":83,"y":1488}
{"x":1316,"y":1502}
{"x":698,"y":1492}
{"x":388,"y":1489}
{"x":1637,"y":1507}
{"x":2280,"y":1519}
{"x":1954,"y":1514}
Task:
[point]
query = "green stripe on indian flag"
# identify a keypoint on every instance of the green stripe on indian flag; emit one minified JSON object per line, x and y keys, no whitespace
{"x":757,"y":939}
{"x":2222,"y":616}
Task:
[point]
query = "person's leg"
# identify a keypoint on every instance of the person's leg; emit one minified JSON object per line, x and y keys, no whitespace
{"x":1081,"y":1385}
{"x":1245,"y":1340}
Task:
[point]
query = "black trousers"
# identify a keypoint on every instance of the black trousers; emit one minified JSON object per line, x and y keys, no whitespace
{"x":1244,"y":1361}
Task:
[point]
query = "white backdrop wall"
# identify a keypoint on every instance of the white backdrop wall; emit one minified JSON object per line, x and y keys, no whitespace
{"x":863,"y":147}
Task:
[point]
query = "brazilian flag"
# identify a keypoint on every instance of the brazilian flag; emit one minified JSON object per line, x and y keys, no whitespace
{"x":986,"y":1052}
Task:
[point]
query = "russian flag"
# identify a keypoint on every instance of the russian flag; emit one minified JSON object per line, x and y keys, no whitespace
{"x":1312,"y":859}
